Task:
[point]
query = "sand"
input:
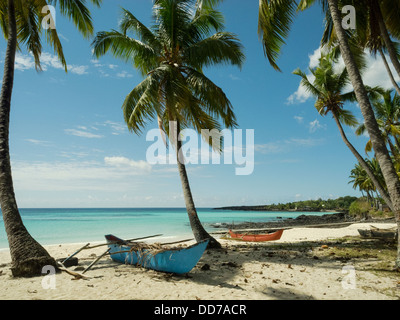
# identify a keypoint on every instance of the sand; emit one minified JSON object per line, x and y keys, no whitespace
{"x":241,"y":271}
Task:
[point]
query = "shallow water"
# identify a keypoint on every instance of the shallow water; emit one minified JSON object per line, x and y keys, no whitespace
{"x":57,"y":226}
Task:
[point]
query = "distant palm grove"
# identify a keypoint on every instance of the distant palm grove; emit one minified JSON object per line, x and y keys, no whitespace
{"x":339,"y":204}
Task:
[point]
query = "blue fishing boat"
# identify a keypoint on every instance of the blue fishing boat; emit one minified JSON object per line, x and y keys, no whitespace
{"x":179,"y":260}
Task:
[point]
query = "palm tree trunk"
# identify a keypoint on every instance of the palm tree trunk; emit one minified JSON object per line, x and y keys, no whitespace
{"x":28,"y":256}
{"x":199,"y":232}
{"x":392,"y":148}
{"x":365,"y":165}
{"x":389,"y":71}
{"x":378,"y":143}
{"x":386,"y":38}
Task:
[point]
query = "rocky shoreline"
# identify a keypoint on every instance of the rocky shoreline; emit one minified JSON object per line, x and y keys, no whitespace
{"x":338,"y":219}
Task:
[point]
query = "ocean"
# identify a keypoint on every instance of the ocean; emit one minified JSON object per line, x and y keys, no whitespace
{"x":58,"y":226}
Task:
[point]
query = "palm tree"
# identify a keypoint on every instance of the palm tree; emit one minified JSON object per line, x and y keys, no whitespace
{"x":387,"y":112}
{"x":367,"y":34}
{"x":386,"y":11}
{"x":275,"y":19}
{"x":328,"y":87}
{"x":362,"y":181}
{"x":171,"y":55}
{"x":378,"y":143}
{"x":20,"y":21}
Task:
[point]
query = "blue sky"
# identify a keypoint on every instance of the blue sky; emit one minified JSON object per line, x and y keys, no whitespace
{"x":70,"y":146}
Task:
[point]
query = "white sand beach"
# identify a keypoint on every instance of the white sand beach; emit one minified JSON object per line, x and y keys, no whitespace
{"x":241,"y":271}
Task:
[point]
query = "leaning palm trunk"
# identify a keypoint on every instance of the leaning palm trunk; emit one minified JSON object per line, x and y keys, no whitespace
{"x":28,"y":256}
{"x":389,"y":71}
{"x":199,"y":232}
{"x":386,"y":38}
{"x":378,"y":143}
{"x":362,"y":162}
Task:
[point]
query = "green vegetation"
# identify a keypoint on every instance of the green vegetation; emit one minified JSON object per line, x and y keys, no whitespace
{"x":362,"y":208}
{"x":339,"y":204}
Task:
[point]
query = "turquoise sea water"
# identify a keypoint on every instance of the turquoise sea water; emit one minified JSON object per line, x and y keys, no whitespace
{"x":57,"y":226}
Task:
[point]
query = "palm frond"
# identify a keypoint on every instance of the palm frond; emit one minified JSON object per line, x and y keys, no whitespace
{"x":205,"y":21}
{"x":125,"y":48}
{"x":307,"y":84}
{"x":223,"y":47}
{"x":346,"y":117}
{"x":274,"y":22}
{"x":77,"y":11}
{"x":212,"y":97}
{"x":141,"y":104}
{"x":129,"y":23}
{"x":361,"y":129}
{"x":29,"y":28}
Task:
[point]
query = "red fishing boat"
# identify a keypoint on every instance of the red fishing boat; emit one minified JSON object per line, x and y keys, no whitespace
{"x":256,"y":237}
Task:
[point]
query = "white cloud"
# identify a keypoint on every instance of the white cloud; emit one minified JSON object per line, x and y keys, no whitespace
{"x":314,"y":58}
{"x":301,"y":95}
{"x":82,"y":133}
{"x":98,"y":130}
{"x":118,"y":128}
{"x":127,"y":163}
{"x":26,"y":62}
{"x":38,"y":142}
{"x":315,"y":125}
{"x":78,"y":175}
{"x":374,"y":75}
{"x":299,"y":119}
{"x":286,"y":145}
{"x":48,"y":60}
{"x":96,"y":63}
{"x":79,"y":70}
{"x":124,"y":74}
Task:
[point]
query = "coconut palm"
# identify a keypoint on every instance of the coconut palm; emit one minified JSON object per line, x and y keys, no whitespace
{"x":378,"y":19}
{"x":20,"y":21}
{"x":275,"y":19}
{"x":329,"y":89}
{"x":388,"y":18}
{"x":387,"y":112}
{"x":367,"y":34}
{"x":358,"y":178}
{"x":362,"y":181}
{"x":175,"y":92}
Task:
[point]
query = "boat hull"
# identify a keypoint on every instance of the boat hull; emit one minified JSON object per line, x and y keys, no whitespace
{"x":381,"y":234}
{"x":179,"y":261}
{"x":257,"y":237}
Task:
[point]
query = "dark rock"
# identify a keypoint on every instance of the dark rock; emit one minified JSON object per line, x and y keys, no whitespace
{"x":70,"y":262}
{"x":301,"y":220}
{"x":205,"y":267}
{"x":231,"y":264}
